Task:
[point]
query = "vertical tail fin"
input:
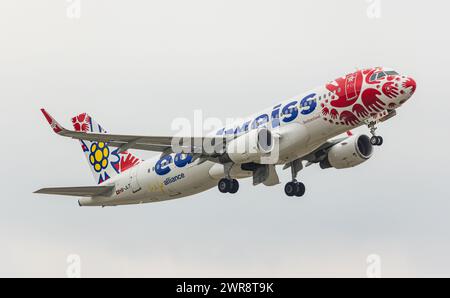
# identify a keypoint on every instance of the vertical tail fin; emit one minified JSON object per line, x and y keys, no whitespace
{"x":105,"y":162}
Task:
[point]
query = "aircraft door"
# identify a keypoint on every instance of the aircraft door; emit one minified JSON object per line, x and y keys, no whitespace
{"x":135,"y":186}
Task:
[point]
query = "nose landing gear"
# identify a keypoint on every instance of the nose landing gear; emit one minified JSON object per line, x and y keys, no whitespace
{"x":374,"y":140}
{"x":295,"y":188}
{"x":227,"y":184}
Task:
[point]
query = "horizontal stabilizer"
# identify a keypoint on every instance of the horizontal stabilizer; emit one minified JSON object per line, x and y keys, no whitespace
{"x":84,"y":191}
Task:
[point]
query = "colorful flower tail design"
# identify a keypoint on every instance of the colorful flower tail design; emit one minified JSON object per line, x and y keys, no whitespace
{"x":105,"y":162}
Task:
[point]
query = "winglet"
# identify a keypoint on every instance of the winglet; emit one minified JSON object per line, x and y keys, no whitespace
{"x":57,"y":128}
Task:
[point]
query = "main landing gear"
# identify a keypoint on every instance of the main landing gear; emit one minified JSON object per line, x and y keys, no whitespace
{"x":374,"y":140}
{"x":295,"y":188}
{"x":228,"y":186}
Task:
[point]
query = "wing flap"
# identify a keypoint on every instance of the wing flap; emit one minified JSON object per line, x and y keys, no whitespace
{"x":83,"y":191}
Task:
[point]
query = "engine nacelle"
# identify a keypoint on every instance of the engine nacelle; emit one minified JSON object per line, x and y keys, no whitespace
{"x":250,"y":147}
{"x":349,"y":153}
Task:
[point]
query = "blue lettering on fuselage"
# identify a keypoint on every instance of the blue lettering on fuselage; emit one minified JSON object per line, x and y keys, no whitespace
{"x":308,"y":104}
{"x":162,"y":167}
{"x":285,"y":114}
{"x":260,"y":121}
{"x":280,"y":114}
{"x":276,"y":116}
{"x":182,"y":160}
{"x":290,"y":112}
{"x":241,"y":129}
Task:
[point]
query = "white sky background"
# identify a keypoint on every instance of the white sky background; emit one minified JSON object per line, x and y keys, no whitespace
{"x":136,"y":65}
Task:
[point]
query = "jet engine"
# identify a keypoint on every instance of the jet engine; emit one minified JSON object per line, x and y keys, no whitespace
{"x":348,"y":153}
{"x":250,"y":147}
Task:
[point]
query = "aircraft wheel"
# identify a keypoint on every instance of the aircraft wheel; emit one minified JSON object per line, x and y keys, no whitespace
{"x":301,"y":190}
{"x":290,"y":189}
{"x":376,"y":141}
{"x":234,"y":186}
{"x":380,"y":141}
{"x":224,"y":185}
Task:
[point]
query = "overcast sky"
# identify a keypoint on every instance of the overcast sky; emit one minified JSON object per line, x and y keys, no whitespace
{"x":136,"y":65}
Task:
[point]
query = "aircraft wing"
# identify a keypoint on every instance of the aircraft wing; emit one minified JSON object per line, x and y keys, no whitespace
{"x":83,"y":191}
{"x":165,"y":145}
{"x":148,"y":143}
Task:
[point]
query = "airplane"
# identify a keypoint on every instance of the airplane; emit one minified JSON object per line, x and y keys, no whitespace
{"x":300,"y":132}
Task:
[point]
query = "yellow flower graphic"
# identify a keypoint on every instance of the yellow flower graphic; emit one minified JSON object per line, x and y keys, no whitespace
{"x":99,"y":156}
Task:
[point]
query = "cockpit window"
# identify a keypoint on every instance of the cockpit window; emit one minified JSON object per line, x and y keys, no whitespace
{"x":382,"y":74}
{"x":373,"y":77}
{"x":392,"y":73}
{"x":377,"y":75}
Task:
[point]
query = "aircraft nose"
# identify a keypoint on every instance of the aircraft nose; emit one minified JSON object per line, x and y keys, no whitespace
{"x":409,"y":85}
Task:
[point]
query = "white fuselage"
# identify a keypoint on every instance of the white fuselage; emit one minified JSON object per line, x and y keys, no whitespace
{"x":303,"y":124}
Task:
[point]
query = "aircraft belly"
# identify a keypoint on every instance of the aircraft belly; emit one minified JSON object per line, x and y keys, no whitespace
{"x":182,"y":182}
